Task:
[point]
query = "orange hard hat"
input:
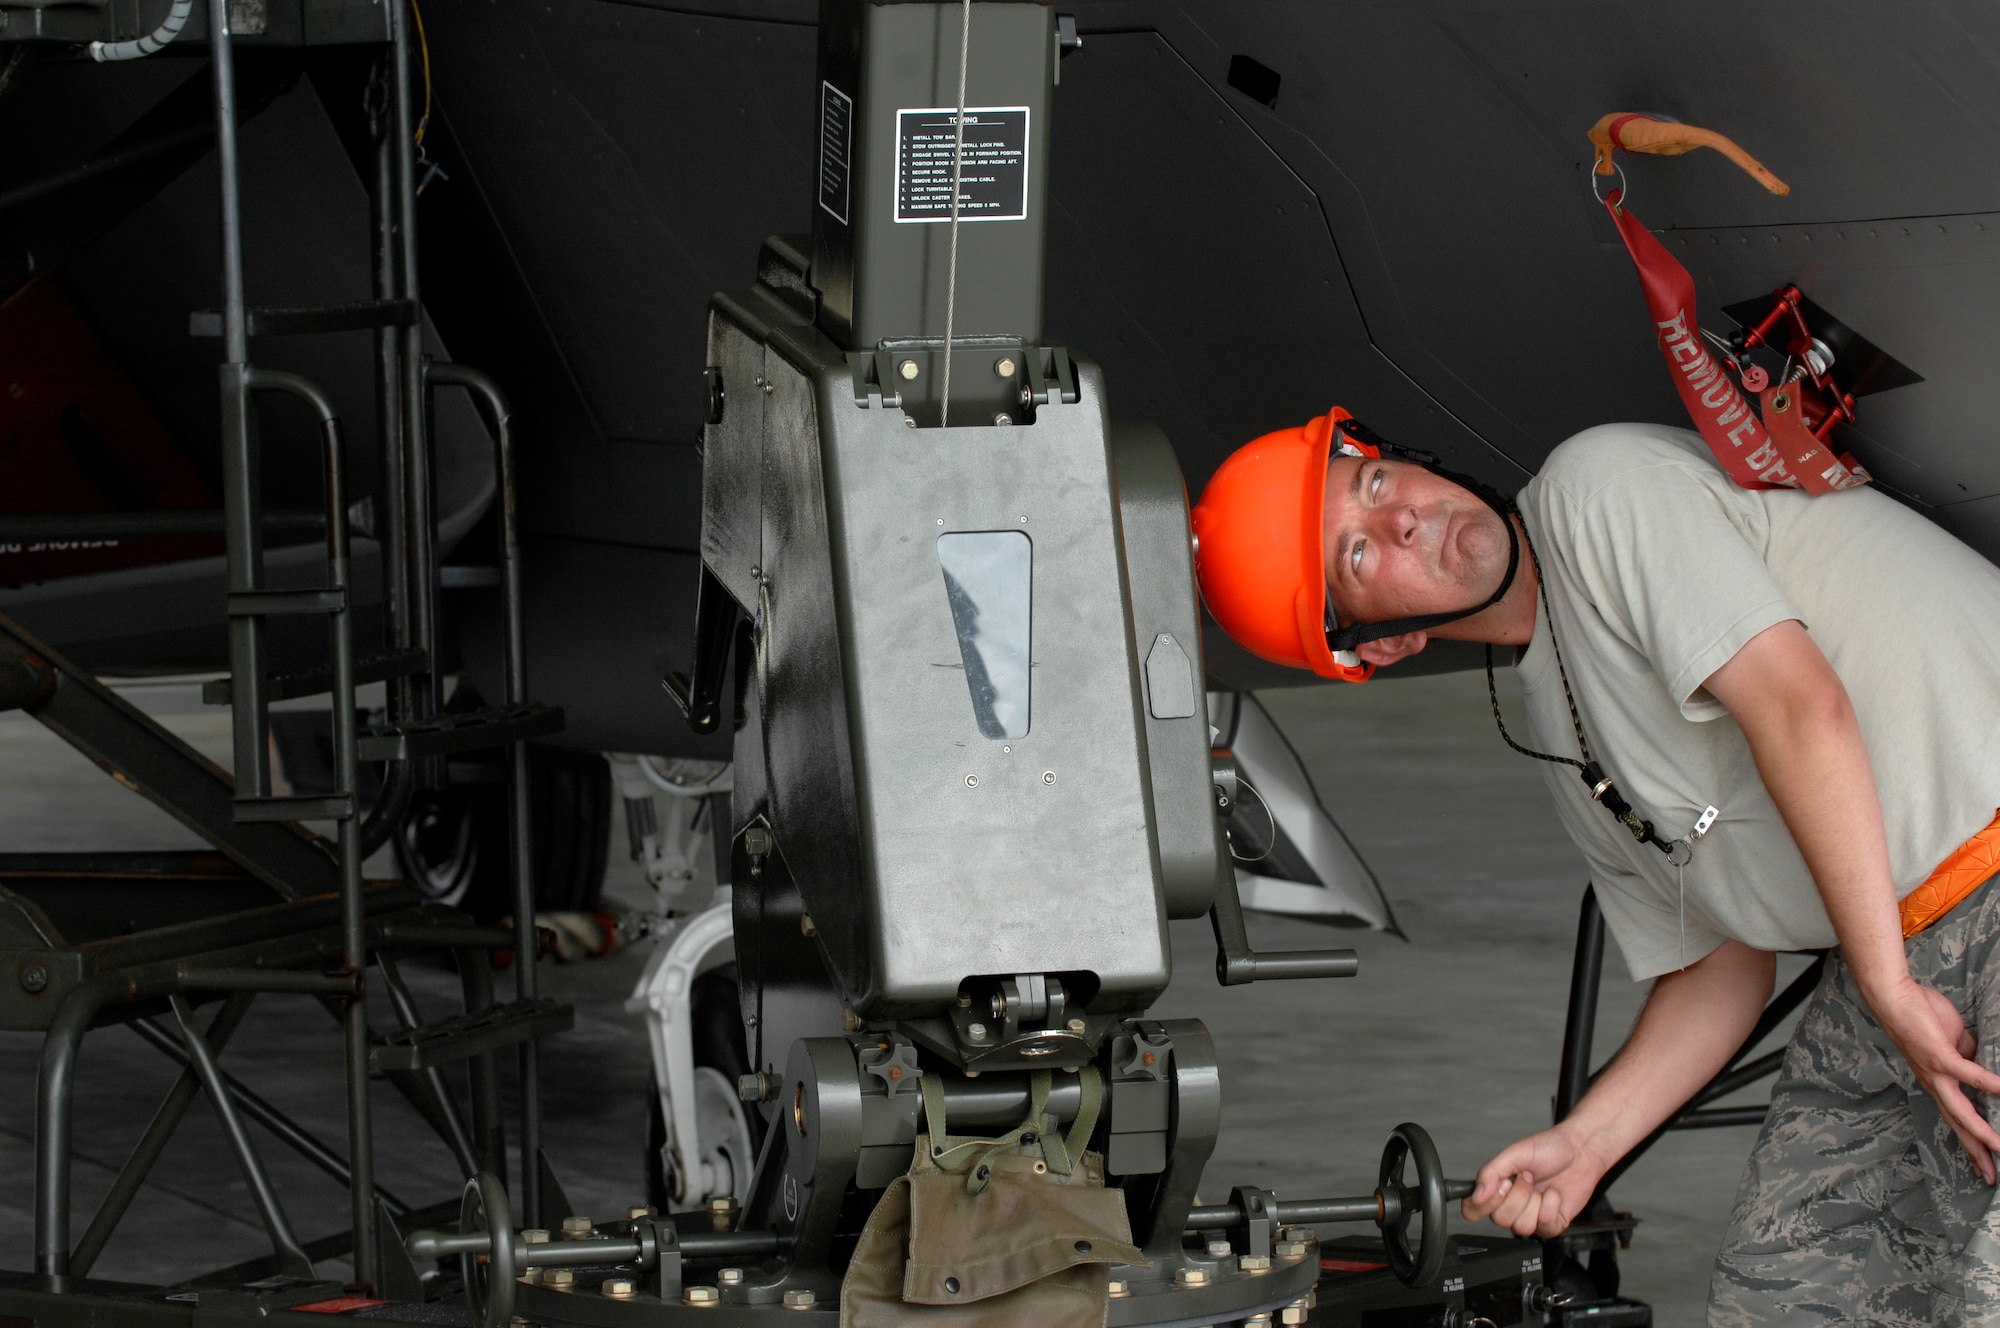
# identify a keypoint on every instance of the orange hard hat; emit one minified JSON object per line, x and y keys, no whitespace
{"x":1259,"y":546}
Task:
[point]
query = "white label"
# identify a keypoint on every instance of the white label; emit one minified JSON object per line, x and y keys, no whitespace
{"x":836,"y":149}
{"x":993,"y":177}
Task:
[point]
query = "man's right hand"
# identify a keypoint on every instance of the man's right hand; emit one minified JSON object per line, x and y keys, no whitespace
{"x":1538,"y":1185}
{"x":1693,"y":1019}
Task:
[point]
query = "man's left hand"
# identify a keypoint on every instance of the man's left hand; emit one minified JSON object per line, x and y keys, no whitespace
{"x":1928,"y":1030}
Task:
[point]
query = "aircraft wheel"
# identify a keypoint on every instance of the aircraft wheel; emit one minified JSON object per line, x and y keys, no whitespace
{"x":437,"y":845}
{"x":453,"y":845}
{"x":730,"y":1130}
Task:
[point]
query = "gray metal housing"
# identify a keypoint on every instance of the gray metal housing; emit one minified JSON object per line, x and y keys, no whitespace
{"x":926,"y":852}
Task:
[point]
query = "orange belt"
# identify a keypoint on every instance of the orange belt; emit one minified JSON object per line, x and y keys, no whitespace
{"x":1970,"y":865}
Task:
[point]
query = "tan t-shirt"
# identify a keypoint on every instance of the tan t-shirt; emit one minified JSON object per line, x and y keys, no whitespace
{"x":1658,"y":569}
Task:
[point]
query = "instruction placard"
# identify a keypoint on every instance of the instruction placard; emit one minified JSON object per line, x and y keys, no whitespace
{"x":993,"y":181}
{"x":836,"y":149}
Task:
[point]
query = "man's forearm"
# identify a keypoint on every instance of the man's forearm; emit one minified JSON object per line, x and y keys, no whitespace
{"x":1821,"y":780}
{"x":1692,"y":1022}
{"x":1807,"y":742}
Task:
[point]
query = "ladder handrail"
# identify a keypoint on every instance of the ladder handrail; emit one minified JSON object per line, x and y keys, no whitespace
{"x":519,"y":816}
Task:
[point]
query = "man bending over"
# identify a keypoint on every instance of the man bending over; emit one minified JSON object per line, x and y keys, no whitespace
{"x":1796,"y":701}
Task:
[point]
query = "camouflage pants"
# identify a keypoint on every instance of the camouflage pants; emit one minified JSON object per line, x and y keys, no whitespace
{"x":1860,"y":1205}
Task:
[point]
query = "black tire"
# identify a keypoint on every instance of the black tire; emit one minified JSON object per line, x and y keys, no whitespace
{"x":570,"y":794}
{"x":454,"y":842}
{"x":438,"y":844}
{"x":716,"y":1026}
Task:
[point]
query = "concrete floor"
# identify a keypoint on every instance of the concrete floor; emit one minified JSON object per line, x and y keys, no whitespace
{"x":1458,"y":1029}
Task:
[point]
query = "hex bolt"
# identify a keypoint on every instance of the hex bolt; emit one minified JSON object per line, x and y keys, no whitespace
{"x":576,"y":1228}
{"x":1119,"y":1288}
{"x":704,"y":1296}
{"x":534,"y":1236}
{"x":1254,"y":1263}
{"x":532,"y":1276}
{"x":977,"y":1032}
{"x":800,"y":1298}
{"x":1289,"y":1249}
{"x":1003,"y":418}
{"x":724,"y":1205}
{"x":850,"y":1021}
{"x":637,"y":1211}
{"x":807,"y":927}
{"x":34,"y":977}
{"x":1191,"y":1277}
{"x":1294,"y":1313}
{"x":1004,"y":367}
{"x":908,"y":368}
{"x":730,"y":1277}
{"x":559,"y":1279}
{"x":618,"y":1288}
{"x":1076,"y":1025}
{"x":1220,"y":1249}
{"x":1048,"y":776}
{"x":751,"y":1087}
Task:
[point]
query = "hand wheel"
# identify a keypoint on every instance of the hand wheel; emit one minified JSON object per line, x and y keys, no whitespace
{"x":1418,"y":1266}
{"x":489,"y":1278}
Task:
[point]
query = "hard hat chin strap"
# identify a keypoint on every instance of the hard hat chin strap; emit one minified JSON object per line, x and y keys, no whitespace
{"x":1347,"y":638}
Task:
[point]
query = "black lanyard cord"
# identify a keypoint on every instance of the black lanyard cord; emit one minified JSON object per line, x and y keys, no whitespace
{"x":1602,"y":790}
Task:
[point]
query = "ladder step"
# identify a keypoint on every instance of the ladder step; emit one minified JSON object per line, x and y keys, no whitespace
{"x":258,"y":603}
{"x":376,"y":666}
{"x":469,"y":1034}
{"x":448,"y":734}
{"x":312,"y":807}
{"x":356,"y":316}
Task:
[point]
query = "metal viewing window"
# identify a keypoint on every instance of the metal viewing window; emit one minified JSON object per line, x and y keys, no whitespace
{"x":988,"y":578}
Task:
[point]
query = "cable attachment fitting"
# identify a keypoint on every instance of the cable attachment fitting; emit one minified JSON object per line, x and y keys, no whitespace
{"x":1603,"y":790}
